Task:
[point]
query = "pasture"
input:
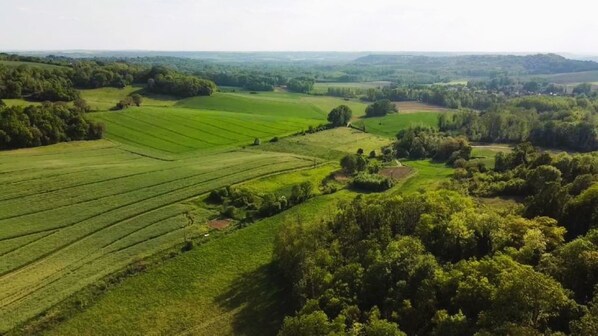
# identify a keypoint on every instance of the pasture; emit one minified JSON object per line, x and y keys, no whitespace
{"x":322,"y":87}
{"x":73,"y":213}
{"x":390,"y":125}
{"x":226,"y":286}
{"x":329,"y":145}
{"x":31,"y":64}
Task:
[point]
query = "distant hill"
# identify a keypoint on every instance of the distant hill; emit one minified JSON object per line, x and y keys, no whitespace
{"x":480,"y":65}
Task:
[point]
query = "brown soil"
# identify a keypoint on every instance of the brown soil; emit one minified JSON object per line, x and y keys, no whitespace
{"x":396,"y":173}
{"x":340,"y":176}
{"x":219,"y":224}
{"x":414,"y":106}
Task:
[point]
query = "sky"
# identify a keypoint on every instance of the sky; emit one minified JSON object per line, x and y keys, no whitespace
{"x":301,"y":25}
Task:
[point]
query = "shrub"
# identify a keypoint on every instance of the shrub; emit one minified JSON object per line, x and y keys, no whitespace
{"x":257,"y":142}
{"x":275,"y":139}
{"x":371,"y":182}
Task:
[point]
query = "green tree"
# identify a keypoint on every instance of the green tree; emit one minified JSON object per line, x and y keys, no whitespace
{"x":381,"y":108}
{"x":340,"y":116}
{"x":137,"y":99}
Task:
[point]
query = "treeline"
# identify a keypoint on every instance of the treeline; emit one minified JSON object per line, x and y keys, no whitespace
{"x":38,"y":84}
{"x":437,"y":263}
{"x":60,"y":84}
{"x":561,"y":122}
{"x":563,"y":186}
{"x":423,"y":142}
{"x":45,"y":125}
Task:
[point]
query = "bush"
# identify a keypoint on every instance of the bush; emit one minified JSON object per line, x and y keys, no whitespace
{"x":371,"y":182}
{"x":275,"y":139}
{"x":257,"y":142}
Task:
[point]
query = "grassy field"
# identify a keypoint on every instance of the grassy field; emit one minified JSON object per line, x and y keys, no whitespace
{"x":31,"y":64}
{"x":390,"y":125}
{"x":224,"y":287}
{"x":426,"y":175}
{"x":73,"y":213}
{"x":322,"y":87}
{"x":329,"y":145}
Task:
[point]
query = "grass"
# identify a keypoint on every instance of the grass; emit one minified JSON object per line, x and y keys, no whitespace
{"x":281,"y":184}
{"x":181,"y":130}
{"x":486,"y":153}
{"x":323,"y":86}
{"x":330,"y":144}
{"x":31,"y":64}
{"x":104,"y":99}
{"x":390,"y":125}
{"x":73,"y":213}
{"x":226,"y":287}
{"x":427,"y":175}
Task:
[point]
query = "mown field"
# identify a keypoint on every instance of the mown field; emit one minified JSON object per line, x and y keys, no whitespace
{"x":225,"y":287}
{"x":322,"y":87}
{"x":389,"y":125}
{"x":73,"y":213}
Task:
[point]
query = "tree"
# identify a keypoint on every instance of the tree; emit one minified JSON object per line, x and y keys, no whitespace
{"x":583,"y":89}
{"x":137,"y":99}
{"x":340,"y":116}
{"x":349,"y":164}
{"x":380,"y":108}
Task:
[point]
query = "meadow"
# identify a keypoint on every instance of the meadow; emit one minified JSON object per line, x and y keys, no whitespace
{"x":74,"y":213}
{"x":322,"y":87}
{"x":389,"y":125}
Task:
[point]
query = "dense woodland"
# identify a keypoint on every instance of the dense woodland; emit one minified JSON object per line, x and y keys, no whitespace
{"x":438,"y":263}
{"x":47,"y":124}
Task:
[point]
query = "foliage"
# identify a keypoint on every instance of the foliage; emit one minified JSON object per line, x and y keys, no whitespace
{"x":45,"y":125}
{"x":412,"y":260}
{"x":340,"y":116}
{"x":381,"y":108}
{"x":371,"y":182}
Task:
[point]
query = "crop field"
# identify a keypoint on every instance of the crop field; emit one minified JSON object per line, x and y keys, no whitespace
{"x":226,"y":286}
{"x":415,"y":107}
{"x":73,"y":213}
{"x":106,"y":98}
{"x":322,"y":87}
{"x":31,"y":64}
{"x":330,"y":145}
{"x":390,"y":125}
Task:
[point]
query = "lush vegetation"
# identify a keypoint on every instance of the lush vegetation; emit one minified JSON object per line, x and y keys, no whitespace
{"x":340,"y":116}
{"x":434,"y":263}
{"x":45,"y":125}
{"x":381,"y":108}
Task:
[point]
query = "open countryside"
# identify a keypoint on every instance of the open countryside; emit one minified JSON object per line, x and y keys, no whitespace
{"x":149,"y":191}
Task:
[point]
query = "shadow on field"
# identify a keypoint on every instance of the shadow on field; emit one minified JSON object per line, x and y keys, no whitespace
{"x":263,"y":301}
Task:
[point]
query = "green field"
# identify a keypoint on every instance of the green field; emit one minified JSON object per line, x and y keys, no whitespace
{"x":31,"y":64}
{"x":322,"y":87}
{"x":391,"y":124}
{"x":225,"y":287}
{"x":330,"y":145}
{"x":73,"y":213}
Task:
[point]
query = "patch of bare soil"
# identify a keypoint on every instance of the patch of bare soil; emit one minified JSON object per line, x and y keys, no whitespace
{"x":396,"y":173}
{"x":219,"y":224}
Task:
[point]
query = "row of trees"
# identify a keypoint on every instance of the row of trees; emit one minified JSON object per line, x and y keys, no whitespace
{"x":44,"y":125}
{"x":561,"y":186}
{"x":545,"y":121}
{"x":423,"y":142}
{"x":437,"y":263}
{"x":60,"y":83}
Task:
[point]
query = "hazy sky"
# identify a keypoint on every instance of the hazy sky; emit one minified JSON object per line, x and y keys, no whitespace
{"x":313,"y":25}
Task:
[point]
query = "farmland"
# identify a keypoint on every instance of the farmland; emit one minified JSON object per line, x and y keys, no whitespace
{"x":389,"y":125}
{"x":74,"y":213}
